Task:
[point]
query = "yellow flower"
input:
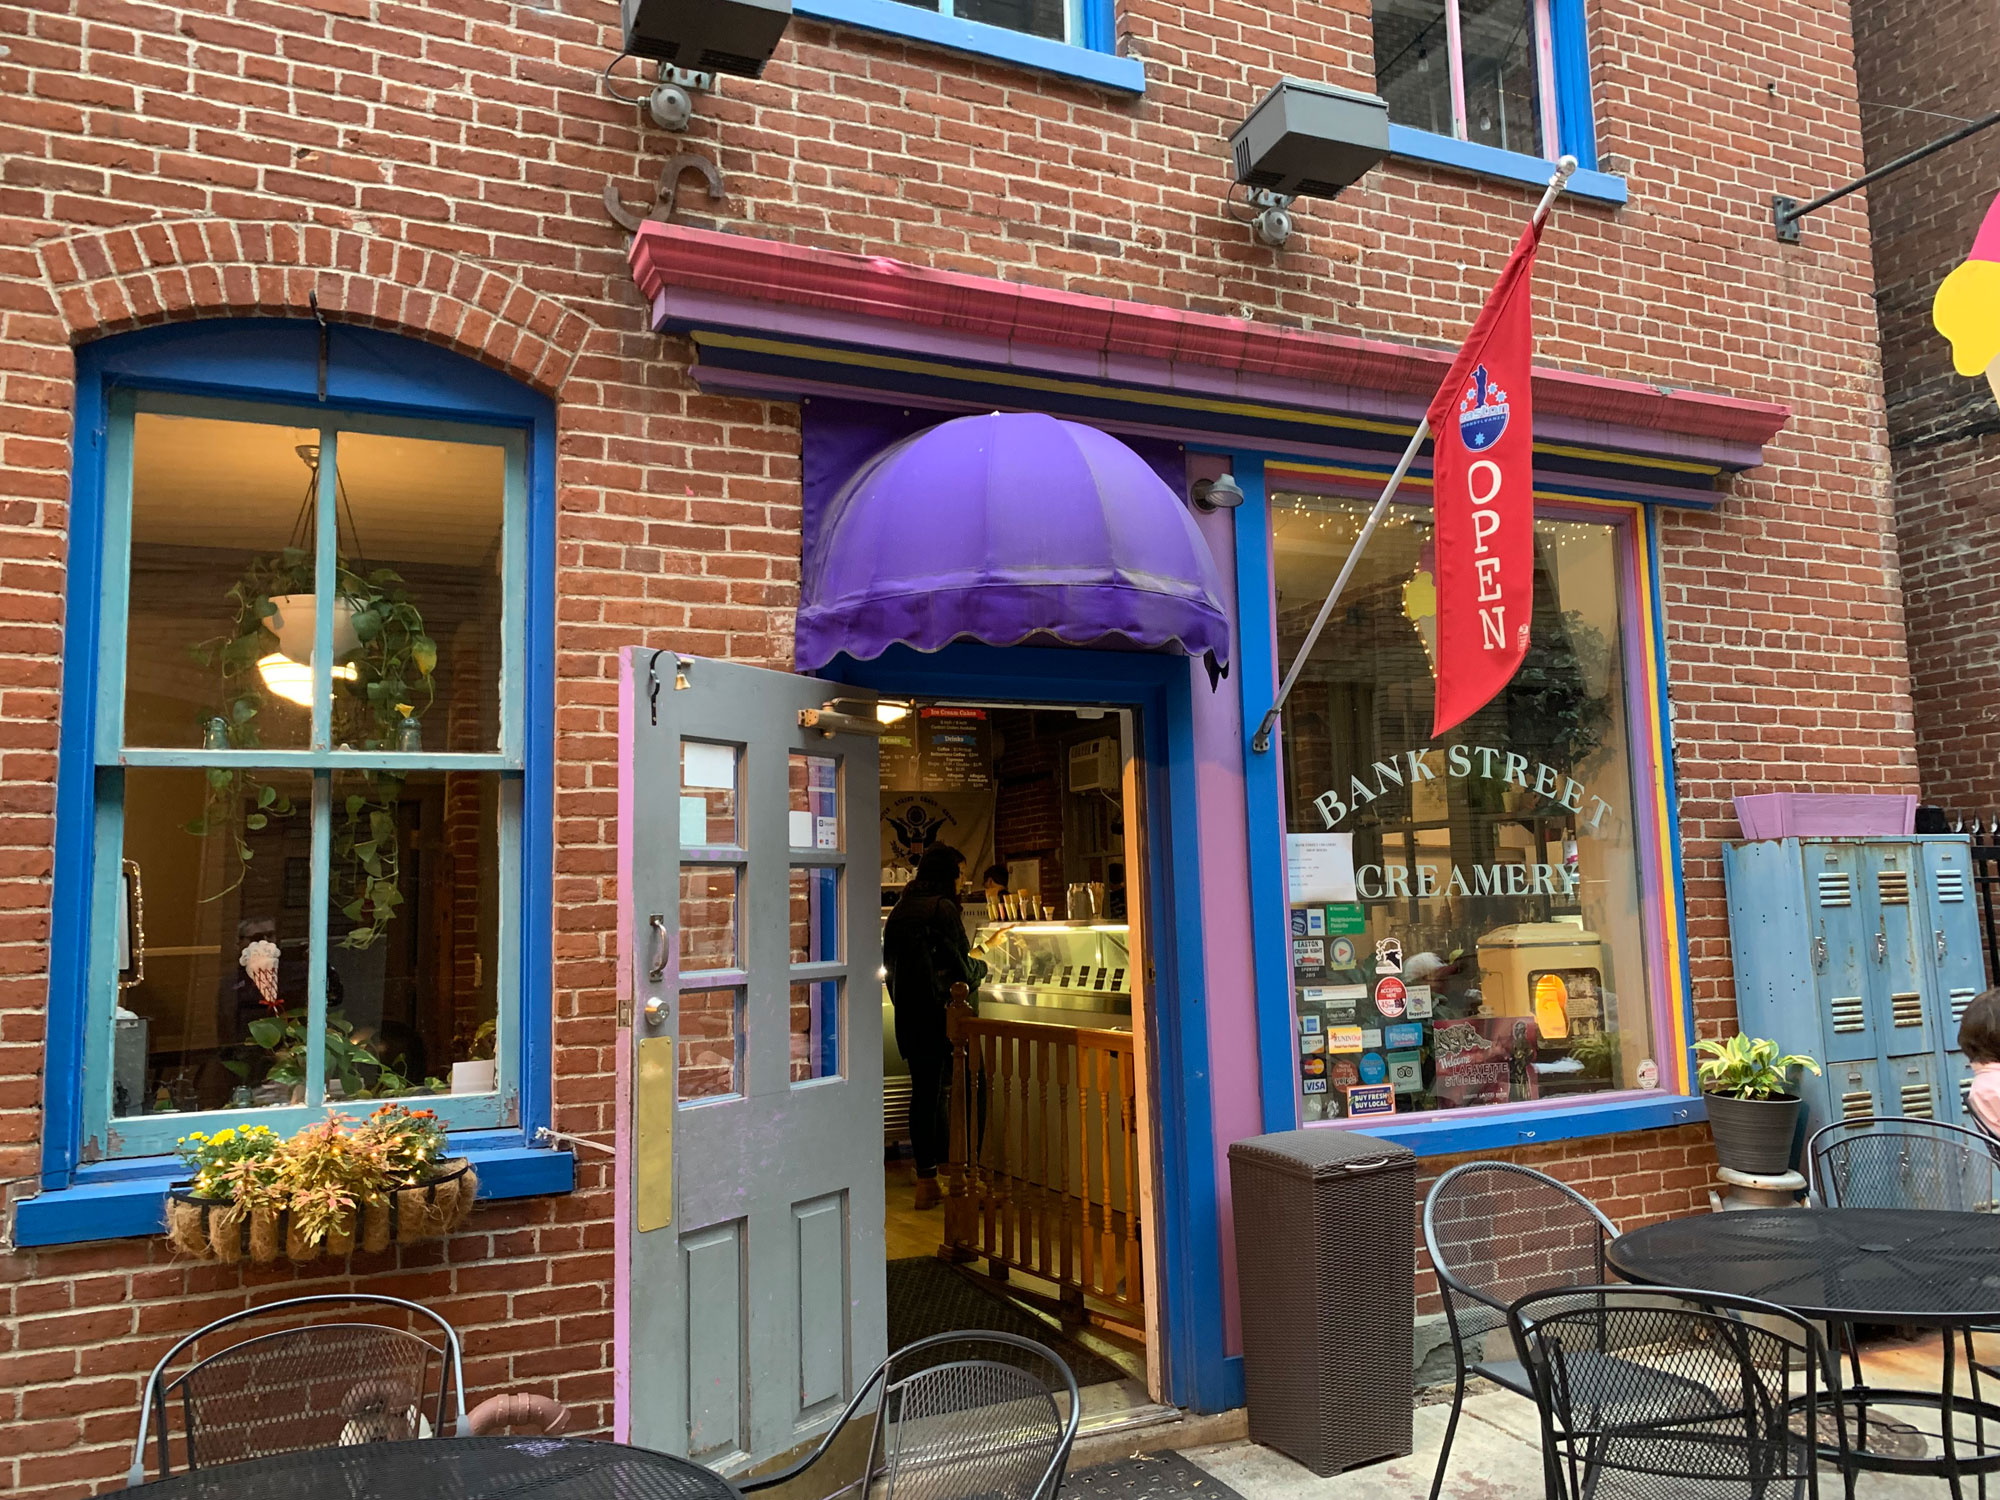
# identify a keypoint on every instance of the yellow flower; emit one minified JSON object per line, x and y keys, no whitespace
{"x":224,"y":1136}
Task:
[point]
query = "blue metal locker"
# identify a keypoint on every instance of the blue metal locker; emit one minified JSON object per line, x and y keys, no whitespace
{"x":1862,"y":953}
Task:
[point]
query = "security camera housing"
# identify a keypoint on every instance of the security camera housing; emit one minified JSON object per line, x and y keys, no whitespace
{"x":707,"y":36}
{"x":1310,"y":139}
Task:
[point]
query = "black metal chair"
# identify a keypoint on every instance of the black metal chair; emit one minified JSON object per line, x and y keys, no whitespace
{"x":311,"y":1385}
{"x":1901,"y":1161}
{"x":959,"y":1416}
{"x":1659,"y":1394}
{"x":1496,"y":1232}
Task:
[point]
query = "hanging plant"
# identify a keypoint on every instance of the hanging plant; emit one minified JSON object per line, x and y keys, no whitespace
{"x":388,"y":665}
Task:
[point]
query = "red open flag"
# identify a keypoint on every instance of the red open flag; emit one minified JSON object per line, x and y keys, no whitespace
{"x":1483,"y":423}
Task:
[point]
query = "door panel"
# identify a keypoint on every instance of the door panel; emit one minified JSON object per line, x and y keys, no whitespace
{"x":716,"y":1356}
{"x":1956,"y":964}
{"x":1891,"y":901}
{"x":1913,"y":1088}
{"x":824,"y":1273}
{"x":1852,"y":1092}
{"x":752,"y":1292}
{"x":1841,"y":982}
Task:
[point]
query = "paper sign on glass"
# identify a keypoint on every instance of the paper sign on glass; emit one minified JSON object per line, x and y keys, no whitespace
{"x":694,"y":820}
{"x":712,"y":767}
{"x":1319,"y":867}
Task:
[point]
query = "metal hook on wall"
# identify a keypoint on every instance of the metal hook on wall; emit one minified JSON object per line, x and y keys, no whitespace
{"x":666,"y":201}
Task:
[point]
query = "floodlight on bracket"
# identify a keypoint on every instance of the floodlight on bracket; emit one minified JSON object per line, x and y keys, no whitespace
{"x":1304,"y":140}
{"x":1786,"y":212}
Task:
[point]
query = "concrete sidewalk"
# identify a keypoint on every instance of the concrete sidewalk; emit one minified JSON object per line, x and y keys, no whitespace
{"x":1497,"y":1452}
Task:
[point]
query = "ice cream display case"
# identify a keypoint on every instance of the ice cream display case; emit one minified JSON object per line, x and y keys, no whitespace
{"x":1076,"y":973}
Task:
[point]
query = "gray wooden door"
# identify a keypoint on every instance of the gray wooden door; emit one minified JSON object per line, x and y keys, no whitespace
{"x":752,"y":1283}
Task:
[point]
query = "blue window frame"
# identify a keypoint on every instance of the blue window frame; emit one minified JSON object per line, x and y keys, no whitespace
{"x":1073,"y":38}
{"x":1496,"y":87}
{"x":372,"y":473}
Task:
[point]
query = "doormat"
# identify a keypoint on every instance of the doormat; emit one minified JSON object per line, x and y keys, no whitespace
{"x":926,"y":1297}
{"x":1146,"y":1476}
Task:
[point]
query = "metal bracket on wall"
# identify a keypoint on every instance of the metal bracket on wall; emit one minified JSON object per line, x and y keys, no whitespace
{"x":666,"y":198}
{"x":1786,"y":212}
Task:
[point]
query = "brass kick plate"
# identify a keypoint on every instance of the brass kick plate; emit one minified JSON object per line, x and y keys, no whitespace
{"x":653,"y":1167}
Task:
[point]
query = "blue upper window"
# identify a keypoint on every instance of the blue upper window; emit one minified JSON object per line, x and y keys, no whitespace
{"x":1074,"y":38}
{"x":305,"y":759}
{"x":1492,"y":86}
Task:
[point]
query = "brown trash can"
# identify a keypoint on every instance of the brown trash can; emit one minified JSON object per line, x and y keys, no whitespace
{"x":1326,"y":1272}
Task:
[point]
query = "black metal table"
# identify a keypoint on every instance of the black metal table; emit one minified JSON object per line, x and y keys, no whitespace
{"x":467,"y":1468}
{"x":1846,"y":1266}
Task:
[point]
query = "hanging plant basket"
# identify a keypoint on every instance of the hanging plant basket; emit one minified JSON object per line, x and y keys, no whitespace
{"x":220,"y":1231}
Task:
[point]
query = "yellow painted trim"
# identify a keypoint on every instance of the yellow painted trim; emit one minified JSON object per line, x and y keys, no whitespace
{"x":1049,"y":385}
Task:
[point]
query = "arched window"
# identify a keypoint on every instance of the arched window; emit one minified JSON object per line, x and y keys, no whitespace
{"x":304,"y":796}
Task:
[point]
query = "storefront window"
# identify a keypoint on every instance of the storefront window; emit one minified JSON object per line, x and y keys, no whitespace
{"x":1494,"y":952}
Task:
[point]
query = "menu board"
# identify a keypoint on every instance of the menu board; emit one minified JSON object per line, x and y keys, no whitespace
{"x":899,"y":761}
{"x":955,"y":749}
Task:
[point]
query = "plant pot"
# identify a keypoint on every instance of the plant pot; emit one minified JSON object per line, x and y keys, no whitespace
{"x":214,"y":1231}
{"x":477,"y":1077}
{"x":1754,"y":1135}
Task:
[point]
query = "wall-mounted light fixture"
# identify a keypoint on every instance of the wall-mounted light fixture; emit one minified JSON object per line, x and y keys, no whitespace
{"x":1304,"y":140}
{"x":854,"y":716}
{"x":710,"y":36}
{"x":1221,"y":493}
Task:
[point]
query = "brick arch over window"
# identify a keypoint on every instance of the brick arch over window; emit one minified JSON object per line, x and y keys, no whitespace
{"x":112,"y":280}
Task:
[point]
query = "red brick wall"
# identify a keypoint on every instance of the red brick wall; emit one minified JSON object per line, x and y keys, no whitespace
{"x":1921,"y":64}
{"x":438,"y":170}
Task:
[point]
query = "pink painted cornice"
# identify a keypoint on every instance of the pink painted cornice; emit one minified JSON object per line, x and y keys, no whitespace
{"x":746,"y":269}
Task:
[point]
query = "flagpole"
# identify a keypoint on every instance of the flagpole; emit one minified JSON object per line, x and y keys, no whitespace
{"x":1261,"y":741}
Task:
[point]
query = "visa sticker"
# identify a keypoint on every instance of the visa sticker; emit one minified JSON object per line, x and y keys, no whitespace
{"x":1313,"y":1086}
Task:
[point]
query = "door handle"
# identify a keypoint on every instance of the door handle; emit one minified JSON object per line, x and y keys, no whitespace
{"x":1819,"y":955}
{"x":1881,"y":945}
{"x":1941,"y":945}
{"x":661,"y":952}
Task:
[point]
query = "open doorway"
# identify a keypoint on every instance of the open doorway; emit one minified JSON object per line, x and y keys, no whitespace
{"x":1039,"y":1219}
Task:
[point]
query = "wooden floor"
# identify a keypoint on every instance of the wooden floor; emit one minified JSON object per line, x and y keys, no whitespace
{"x":911,"y":1232}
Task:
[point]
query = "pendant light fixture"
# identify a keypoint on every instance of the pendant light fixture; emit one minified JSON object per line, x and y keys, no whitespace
{"x":288,"y":671}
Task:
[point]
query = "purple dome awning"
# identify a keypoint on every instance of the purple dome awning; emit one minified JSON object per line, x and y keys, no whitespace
{"x":1006,"y":529}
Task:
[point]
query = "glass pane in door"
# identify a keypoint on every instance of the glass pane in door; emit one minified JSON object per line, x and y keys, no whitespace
{"x":709,"y":1062}
{"x":815,"y":1030}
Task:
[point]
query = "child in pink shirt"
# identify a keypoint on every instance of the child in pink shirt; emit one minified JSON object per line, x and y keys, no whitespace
{"x":1979,"y":1040}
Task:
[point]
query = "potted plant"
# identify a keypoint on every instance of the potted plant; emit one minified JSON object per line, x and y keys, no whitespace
{"x":332,"y":1188}
{"x":478,"y":1073}
{"x":386,"y":665}
{"x":1753,"y":1109}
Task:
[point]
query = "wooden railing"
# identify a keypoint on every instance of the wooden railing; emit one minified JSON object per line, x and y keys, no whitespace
{"x":1044,"y":1171}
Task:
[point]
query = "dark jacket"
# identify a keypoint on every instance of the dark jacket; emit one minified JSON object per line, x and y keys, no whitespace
{"x":925,"y":951}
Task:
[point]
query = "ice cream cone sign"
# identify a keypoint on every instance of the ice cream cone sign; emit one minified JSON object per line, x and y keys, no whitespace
{"x":1966,"y":309}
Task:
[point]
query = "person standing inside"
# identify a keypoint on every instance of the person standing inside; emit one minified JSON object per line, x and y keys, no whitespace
{"x":924,"y":953}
